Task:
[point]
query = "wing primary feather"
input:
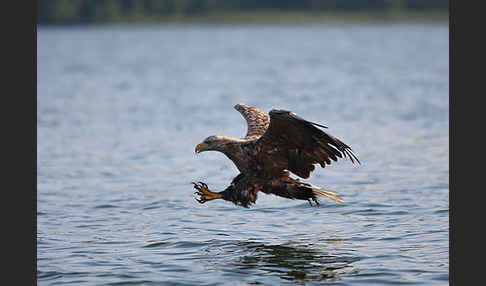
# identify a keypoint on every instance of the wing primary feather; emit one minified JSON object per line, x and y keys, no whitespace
{"x":317,"y":124}
{"x":292,"y":114}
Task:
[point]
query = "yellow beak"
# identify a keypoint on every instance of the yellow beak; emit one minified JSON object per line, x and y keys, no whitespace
{"x":201,"y":147}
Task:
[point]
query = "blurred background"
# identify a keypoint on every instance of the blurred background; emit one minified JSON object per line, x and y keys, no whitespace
{"x":127,"y":89}
{"x":135,"y":11}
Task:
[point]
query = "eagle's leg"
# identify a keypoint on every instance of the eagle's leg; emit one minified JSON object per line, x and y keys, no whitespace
{"x":204,"y":193}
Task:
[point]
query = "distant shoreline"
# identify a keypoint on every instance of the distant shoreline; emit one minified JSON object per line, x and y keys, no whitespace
{"x":273,"y":17}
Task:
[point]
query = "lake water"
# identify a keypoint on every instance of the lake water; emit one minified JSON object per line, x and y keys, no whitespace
{"x":121,"y":108}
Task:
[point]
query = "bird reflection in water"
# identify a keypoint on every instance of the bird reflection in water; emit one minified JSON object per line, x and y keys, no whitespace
{"x":297,"y":263}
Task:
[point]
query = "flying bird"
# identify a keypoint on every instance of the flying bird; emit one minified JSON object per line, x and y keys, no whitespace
{"x":276,"y":144}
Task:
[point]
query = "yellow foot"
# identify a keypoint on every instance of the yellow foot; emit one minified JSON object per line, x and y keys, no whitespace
{"x":204,"y":193}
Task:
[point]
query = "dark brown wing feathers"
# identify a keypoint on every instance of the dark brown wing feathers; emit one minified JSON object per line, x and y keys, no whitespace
{"x":301,"y":142}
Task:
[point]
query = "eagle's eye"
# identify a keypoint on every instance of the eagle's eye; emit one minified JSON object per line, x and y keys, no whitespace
{"x":210,"y":139}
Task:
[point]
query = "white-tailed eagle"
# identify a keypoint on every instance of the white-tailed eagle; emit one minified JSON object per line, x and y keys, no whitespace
{"x":276,"y":143}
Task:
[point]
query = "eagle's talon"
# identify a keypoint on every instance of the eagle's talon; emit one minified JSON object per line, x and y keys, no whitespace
{"x":204,"y":193}
{"x":201,"y":189}
{"x":201,"y":184}
{"x":315,"y":201}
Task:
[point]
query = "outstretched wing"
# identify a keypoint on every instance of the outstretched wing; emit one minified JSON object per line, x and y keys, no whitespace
{"x":256,"y":120}
{"x":295,"y":144}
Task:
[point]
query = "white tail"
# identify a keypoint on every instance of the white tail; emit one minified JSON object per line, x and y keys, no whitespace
{"x":328,"y":194}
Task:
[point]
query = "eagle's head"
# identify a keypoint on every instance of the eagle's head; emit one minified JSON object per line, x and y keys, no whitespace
{"x":212,"y":143}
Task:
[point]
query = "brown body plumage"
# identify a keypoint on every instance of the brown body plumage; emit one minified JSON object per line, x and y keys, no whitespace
{"x":275,"y":144}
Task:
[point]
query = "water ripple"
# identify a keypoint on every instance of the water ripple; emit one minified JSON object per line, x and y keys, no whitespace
{"x":120,"y":110}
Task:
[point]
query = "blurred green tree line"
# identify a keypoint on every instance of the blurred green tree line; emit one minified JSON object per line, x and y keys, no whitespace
{"x":105,"y":11}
